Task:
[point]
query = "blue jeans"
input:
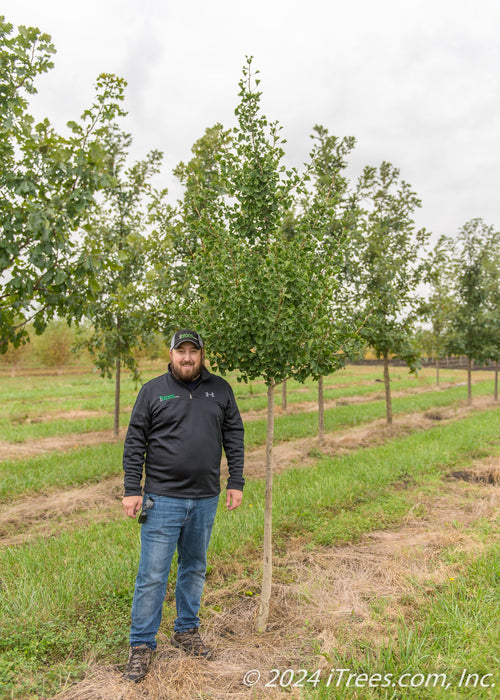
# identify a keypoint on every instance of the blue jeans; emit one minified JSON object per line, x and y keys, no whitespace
{"x":185,"y":524}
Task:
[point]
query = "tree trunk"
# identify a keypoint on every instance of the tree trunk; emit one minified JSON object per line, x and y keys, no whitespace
{"x":496,"y":380}
{"x":267,"y":572}
{"x":321,"y":412}
{"x":116,"y":425}
{"x":469,"y":381}
{"x":283,"y":395}
{"x":437,"y":370}
{"x":387,"y":382}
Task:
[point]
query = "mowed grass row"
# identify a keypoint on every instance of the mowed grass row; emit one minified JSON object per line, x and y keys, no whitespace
{"x":91,"y":464}
{"x":71,"y":391}
{"x":44,"y":390}
{"x":39,"y":412}
{"x":67,"y":599}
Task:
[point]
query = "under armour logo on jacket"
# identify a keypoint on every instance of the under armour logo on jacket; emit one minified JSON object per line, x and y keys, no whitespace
{"x":208,"y":395}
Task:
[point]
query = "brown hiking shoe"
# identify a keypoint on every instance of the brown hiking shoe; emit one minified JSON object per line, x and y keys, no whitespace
{"x":139,"y":660}
{"x":191,"y":642}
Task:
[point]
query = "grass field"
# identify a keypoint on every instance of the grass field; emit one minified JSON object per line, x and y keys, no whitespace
{"x":386,"y":553}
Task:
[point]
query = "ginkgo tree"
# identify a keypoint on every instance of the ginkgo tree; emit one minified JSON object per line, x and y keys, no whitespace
{"x":47,"y":188}
{"x":437,"y":305}
{"x":386,"y":266}
{"x":328,"y":209}
{"x":493,"y":305}
{"x":473,"y":329}
{"x":262,"y":299}
{"x":122,"y":234}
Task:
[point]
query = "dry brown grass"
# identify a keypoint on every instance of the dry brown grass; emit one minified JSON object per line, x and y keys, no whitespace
{"x":35,"y":516}
{"x":64,"y":415}
{"x":58,"y":443}
{"x":331,"y":601}
{"x":488,"y":472}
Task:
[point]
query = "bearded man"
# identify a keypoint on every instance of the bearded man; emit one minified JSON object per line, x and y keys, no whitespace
{"x":179,"y":424}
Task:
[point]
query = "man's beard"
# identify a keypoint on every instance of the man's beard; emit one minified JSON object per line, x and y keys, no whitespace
{"x":186,"y":371}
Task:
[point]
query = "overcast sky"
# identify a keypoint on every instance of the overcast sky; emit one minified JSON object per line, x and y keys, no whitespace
{"x":416,"y":82}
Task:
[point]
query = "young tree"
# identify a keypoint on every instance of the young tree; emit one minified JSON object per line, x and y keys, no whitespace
{"x":437,"y":308}
{"x":47,"y":186}
{"x":329,"y":210}
{"x":471,"y":325}
{"x":493,"y":304}
{"x":386,"y":267}
{"x":54,"y":346}
{"x":121,"y":312}
{"x":260,"y":298}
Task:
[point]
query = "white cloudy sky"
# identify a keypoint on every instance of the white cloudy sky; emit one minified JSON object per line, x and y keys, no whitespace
{"x":415,"y":81}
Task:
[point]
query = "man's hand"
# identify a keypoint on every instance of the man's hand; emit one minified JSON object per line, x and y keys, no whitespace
{"x":132,"y":505}
{"x":233,"y":498}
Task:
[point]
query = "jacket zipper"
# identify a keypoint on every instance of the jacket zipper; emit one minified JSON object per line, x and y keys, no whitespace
{"x":178,"y":382}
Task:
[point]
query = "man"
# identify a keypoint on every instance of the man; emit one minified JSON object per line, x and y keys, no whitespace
{"x":179,"y":424}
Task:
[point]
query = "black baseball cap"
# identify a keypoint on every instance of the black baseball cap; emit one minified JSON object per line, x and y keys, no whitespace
{"x":186,"y":336}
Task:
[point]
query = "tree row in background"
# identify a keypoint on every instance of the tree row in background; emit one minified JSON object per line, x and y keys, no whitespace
{"x":463,"y":303}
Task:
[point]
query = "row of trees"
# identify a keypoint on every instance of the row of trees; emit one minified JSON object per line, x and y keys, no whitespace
{"x":463,"y":302}
{"x":284,"y":273}
{"x":63,"y":348}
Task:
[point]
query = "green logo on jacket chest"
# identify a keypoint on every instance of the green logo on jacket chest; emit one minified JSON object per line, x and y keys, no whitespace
{"x":170,"y":396}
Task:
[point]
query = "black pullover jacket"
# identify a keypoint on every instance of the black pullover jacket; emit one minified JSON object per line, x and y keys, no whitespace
{"x":178,"y":435}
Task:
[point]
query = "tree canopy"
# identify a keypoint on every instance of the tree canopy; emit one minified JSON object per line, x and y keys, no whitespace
{"x":261,"y":297}
{"x":47,"y":187}
{"x":261,"y":259}
{"x":385,"y":266}
{"x":473,"y":320}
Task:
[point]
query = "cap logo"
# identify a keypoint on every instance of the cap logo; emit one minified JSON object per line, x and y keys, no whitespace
{"x":184,"y":335}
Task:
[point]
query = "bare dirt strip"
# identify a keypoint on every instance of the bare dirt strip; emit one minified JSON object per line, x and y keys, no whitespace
{"x":43,"y":513}
{"x":331,"y":601}
{"x":58,"y":443}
